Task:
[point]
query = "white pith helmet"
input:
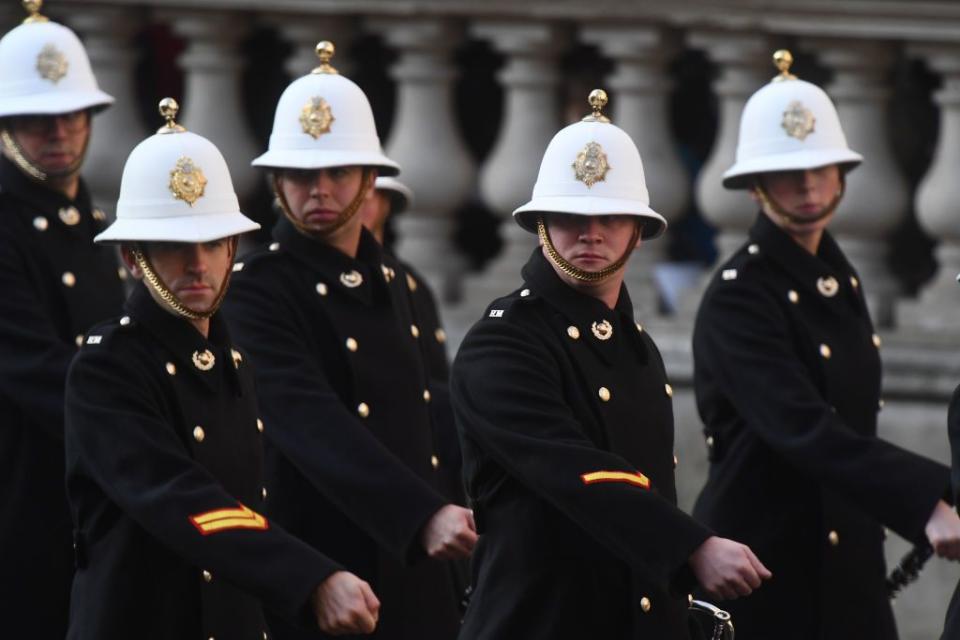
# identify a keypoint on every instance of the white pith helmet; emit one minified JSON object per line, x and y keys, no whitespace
{"x":788,"y":125}
{"x":45,"y":69}
{"x":176,"y":188}
{"x":592,"y":168}
{"x":324,"y":120}
{"x":400,"y":194}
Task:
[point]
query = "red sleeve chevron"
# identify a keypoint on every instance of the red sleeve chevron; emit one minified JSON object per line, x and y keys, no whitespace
{"x":636,"y":478}
{"x":227,"y":519}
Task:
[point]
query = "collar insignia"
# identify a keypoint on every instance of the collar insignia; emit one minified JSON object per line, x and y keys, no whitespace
{"x":591,"y":165}
{"x":187,"y":181}
{"x":69,"y":215}
{"x":204,"y":360}
{"x":51,"y":64}
{"x":798,"y":121}
{"x":351,"y":279}
{"x":828,"y":286}
{"x":602,"y":330}
{"x":316,"y":117}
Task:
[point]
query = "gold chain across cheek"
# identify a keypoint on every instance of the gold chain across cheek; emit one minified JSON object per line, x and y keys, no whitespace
{"x":31,"y":168}
{"x":169,"y":297}
{"x":576,"y":272}
{"x":348,"y":212}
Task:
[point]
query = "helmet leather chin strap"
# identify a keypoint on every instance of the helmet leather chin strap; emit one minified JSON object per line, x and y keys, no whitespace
{"x":322,"y":233}
{"x":774,"y":206}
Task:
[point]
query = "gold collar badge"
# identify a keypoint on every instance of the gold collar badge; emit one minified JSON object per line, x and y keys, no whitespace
{"x":591,"y":165}
{"x":51,"y":64}
{"x":69,"y":215}
{"x":204,"y":360}
{"x":187,"y":181}
{"x":828,"y":286}
{"x":316,"y":117}
{"x":798,"y":121}
{"x":602,"y":330}
{"x":351,"y":279}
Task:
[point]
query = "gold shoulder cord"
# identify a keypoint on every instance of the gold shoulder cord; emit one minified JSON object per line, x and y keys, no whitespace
{"x":170,"y":299}
{"x":319,"y":234}
{"x":787,"y":217}
{"x":576,"y":272}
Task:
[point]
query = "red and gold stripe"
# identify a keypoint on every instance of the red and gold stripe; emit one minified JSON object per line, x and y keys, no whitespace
{"x":635,"y":478}
{"x":228,"y":519}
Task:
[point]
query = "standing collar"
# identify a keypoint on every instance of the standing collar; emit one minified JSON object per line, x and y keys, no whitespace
{"x":20,"y":185}
{"x":777,"y":244}
{"x":186,"y":343}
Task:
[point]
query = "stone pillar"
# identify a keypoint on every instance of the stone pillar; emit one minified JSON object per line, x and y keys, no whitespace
{"x":745,"y":65}
{"x":108,"y":35}
{"x":640,"y":91}
{"x":876,"y":198}
{"x":304,"y":32}
{"x":212,"y":103}
{"x":936,"y":202}
{"x":530,"y":119}
{"x":424,"y":139}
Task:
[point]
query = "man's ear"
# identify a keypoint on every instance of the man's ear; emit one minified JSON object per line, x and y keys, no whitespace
{"x":126,"y":253}
{"x":371,"y":177}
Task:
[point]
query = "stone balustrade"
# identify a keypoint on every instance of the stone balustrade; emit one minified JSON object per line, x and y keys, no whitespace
{"x":649,"y":56}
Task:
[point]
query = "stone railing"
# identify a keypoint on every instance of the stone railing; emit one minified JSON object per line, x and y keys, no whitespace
{"x":676,"y":70}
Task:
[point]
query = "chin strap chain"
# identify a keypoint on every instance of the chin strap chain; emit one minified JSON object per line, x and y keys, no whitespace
{"x":326,"y":231}
{"x":788,"y":217}
{"x":15,"y":153}
{"x":576,"y":272}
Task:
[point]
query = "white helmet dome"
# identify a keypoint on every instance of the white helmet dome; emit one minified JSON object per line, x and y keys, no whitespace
{"x":400,"y":194}
{"x":45,"y":70}
{"x":324,"y":120}
{"x":176,"y":188}
{"x":592,"y":168}
{"x":788,"y":125}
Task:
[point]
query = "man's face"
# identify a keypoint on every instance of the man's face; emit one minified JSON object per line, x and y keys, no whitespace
{"x":317,"y":197}
{"x":194,"y":272}
{"x":55,"y":144}
{"x":803,"y":195}
{"x":591,"y":243}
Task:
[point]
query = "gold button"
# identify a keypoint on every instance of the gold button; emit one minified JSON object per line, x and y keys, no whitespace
{"x":689,"y":598}
{"x":171,"y":368}
{"x":363,"y":409}
{"x":79,"y":340}
{"x":604,"y":393}
{"x":825,"y":351}
{"x":263,"y":493}
{"x":99,"y":215}
{"x":237,"y":358}
{"x":321,"y":288}
{"x":675,"y":462}
{"x":669,"y":390}
{"x":198,"y":433}
{"x":426,"y":395}
{"x":274,"y":246}
{"x":411,"y":283}
{"x":793,"y":296}
{"x":639,"y":327}
{"x":710,"y":442}
{"x":259,"y":425}
{"x":876,"y":341}
{"x":434,"y":461}
{"x":207,"y":576}
{"x":440,"y":335}
{"x":645,"y":604}
{"x":834,"y":538}
{"x":41,"y":223}
{"x":121,"y":273}
{"x":237,"y":267}
{"x":352,"y":344}
{"x":880,"y":404}
{"x":525,"y":293}
{"x":387,"y":272}
{"x":124,"y":321}
{"x":753,"y":249}
{"x":854,"y":282}
{"x":68,"y":278}
{"x":414,"y":331}
{"x":573,"y":332}
{"x":265,"y":636}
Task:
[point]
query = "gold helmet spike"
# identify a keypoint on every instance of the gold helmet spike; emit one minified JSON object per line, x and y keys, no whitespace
{"x":782,"y":60}
{"x":325,"y":51}
{"x":598,"y":100}
{"x":168,"y":109}
{"x":32,"y":7}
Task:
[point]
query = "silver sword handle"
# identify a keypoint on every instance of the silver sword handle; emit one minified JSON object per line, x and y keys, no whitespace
{"x":722,"y":623}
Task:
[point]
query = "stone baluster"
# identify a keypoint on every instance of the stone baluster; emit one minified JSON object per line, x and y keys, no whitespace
{"x":108,"y":35}
{"x":936,"y":201}
{"x":876,"y":198}
{"x":425,"y":141}
{"x":640,"y":90}
{"x":530,"y":119}
{"x":304,"y":32}
{"x":212,"y":104}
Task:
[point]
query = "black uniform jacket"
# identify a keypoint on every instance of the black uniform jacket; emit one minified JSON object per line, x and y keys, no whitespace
{"x":951,"y":630}
{"x":787,"y":379}
{"x":566,"y":424}
{"x":352,"y":460}
{"x":164,"y":477}
{"x":55,"y":285}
